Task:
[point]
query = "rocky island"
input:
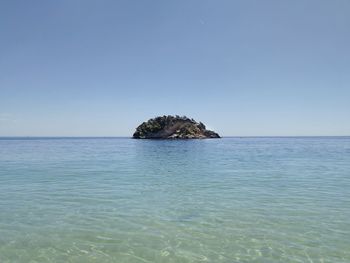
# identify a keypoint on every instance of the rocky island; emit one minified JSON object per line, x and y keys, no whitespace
{"x":173,"y":127}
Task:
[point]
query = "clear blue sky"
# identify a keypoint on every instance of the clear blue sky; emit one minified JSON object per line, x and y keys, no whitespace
{"x":99,"y":68}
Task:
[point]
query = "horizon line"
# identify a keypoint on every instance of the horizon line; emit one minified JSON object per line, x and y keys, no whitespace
{"x":126,"y":137}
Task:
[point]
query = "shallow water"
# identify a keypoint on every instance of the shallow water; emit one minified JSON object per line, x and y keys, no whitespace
{"x":123,"y":200}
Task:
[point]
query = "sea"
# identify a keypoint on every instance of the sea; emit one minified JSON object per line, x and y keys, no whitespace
{"x":235,"y":199}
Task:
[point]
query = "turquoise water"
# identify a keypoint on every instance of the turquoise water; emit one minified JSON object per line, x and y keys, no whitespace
{"x":124,"y":200}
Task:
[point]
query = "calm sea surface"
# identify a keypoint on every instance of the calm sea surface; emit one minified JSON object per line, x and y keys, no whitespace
{"x":124,"y":200}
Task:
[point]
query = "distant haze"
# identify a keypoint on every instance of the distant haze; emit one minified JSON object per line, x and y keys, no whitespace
{"x":100,"y":68}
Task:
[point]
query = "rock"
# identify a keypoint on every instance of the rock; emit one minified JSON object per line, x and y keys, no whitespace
{"x":173,"y":127}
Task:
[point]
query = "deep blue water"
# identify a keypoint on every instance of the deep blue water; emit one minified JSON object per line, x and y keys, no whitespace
{"x":224,"y":200}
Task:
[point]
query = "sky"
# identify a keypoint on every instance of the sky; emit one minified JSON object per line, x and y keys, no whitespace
{"x":243,"y":68}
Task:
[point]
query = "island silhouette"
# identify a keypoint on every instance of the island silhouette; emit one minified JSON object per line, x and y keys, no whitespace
{"x":173,"y":127}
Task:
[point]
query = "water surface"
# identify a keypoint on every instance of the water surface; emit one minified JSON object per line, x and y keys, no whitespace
{"x":125,"y":200}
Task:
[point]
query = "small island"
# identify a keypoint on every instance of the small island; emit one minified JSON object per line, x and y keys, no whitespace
{"x":173,"y":127}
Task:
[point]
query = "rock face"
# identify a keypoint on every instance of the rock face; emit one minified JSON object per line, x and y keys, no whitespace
{"x":173,"y":127}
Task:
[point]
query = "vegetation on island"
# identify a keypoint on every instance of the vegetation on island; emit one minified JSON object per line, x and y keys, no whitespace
{"x":173,"y":127}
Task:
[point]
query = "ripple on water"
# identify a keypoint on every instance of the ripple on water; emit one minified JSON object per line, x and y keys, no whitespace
{"x":121,"y":200}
